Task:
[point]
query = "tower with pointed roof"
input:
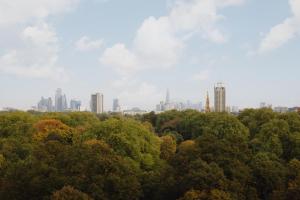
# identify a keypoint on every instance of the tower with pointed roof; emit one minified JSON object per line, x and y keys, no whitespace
{"x":207,"y":106}
{"x":168,"y":97}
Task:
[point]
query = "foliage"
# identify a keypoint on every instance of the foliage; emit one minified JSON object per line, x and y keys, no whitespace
{"x":173,"y":155}
{"x":167,"y":147}
{"x":52,"y":129}
{"x":69,"y":193}
{"x":129,"y":138}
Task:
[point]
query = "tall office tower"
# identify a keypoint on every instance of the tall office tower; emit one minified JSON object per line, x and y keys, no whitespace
{"x":168,"y":97}
{"x":116,"y":105}
{"x":49,"y":105}
{"x":65,"y":104}
{"x":161,"y":106}
{"x":207,"y":106}
{"x":220,"y":98}
{"x":97,"y":103}
{"x":45,"y":105}
{"x":41,"y":105}
{"x":75,"y":105}
{"x":60,"y":101}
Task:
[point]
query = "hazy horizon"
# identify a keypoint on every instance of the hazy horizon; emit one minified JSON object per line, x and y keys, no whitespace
{"x":135,"y":50}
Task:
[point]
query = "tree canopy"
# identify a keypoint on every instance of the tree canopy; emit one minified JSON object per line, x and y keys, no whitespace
{"x":168,"y":156}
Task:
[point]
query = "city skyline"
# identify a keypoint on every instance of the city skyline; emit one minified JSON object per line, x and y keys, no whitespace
{"x":219,"y":97}
{"x":96,"y":104}
{"x":100,"y":45}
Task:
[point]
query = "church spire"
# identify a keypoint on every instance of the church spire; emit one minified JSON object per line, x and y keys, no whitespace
{"x":207,"y":106}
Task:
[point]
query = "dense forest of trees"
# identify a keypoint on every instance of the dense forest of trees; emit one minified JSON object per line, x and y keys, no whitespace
{"x":173,"y":155}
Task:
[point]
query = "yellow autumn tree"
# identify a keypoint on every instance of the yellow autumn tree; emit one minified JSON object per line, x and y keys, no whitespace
{"x":51,"y":129}
{"x":167,"y":147}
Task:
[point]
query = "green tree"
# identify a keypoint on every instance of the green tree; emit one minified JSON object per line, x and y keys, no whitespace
{"x":269,"y":174}
{"x":254,"y":119}
{"x":92,"y":168}
{"x":15,"y":124}
{"x":131,"y":139}
{"x":293,"y":190}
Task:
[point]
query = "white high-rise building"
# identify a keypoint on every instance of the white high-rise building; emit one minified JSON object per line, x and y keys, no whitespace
{"x":60,"y":101}
{"x":97,"y":103}
{"x":220,"y":98}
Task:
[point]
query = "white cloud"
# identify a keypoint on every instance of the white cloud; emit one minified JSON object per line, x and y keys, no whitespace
{"x":14,"y":11}
{"x":86,"y":44}
{"x":37,"y":48}
{"x":156,"y":45}
{"x":133,"y":92}
{"x":295,"y":6}
{"x":41,"y":35}
{"x":224,"y":3}
{"x":144,"y":95}
{"x":122,"y":83}
{"x":159,"y":42}
{"x":120,"y":58}
{"x":198,"y":16}
{"x":38,"y":56}
{"x":284,"y":32}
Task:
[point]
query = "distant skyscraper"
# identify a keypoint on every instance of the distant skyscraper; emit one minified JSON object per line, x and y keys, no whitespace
{"x":65,"y":103}
{"x":75,"y":105}
{"x":50,"y":105}
{"x":262,"y":105}
{"x":60,"y":101}
{"x":45,"y":105}
{"x":161,"y":107}
{"x":265,"y":105}
{"x":220,"y":98}
{"x":207,"y":106}
{"x":168,"y":97}
{"x":116,"y":105}
{"x":97,"y":103}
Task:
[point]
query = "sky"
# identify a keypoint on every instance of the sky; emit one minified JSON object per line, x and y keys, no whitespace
{"x":135,"y":50}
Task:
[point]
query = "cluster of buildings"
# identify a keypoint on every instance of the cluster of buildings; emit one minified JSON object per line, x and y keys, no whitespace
{"x":59,"y":104}
{"x":97,"y":106}
{"x":116,"y":108}
{"x":219,"y":102}
{"x":279,"y":109}
{"x":172,"y":105}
